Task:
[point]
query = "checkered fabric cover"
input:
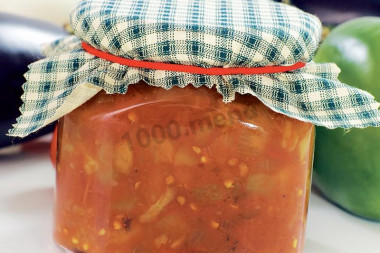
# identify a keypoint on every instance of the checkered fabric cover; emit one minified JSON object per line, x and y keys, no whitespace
{"x":206,"y":33}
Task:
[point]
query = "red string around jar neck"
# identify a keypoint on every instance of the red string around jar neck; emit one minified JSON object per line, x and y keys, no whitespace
{"x":216,"y":71}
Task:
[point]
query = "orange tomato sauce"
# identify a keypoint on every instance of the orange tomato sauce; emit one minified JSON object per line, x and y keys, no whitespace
{"x":178,"y":170}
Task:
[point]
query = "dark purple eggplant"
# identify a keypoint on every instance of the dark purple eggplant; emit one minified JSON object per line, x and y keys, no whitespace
{"x":335,"y":12}
{"x":20,"y":44}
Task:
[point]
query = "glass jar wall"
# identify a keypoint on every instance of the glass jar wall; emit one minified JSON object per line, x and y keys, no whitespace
{"x":178,"y":170}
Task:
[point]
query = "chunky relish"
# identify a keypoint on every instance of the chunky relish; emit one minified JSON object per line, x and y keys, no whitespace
{"x":178,"y":170}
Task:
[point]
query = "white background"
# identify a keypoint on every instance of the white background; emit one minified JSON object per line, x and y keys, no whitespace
{"x":27,"y":181}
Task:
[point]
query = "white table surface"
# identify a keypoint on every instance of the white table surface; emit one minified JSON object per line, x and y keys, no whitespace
{"x":26,"y":202}
{"x":27,"y":181}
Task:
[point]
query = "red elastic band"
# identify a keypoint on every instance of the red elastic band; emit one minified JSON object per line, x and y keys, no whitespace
{"x":188,"y":68}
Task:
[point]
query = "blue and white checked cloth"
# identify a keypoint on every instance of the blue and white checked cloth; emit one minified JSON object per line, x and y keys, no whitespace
{"x":205,"y":33}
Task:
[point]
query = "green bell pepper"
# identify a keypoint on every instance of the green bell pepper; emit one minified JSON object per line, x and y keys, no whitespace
{"x":347,"y":163}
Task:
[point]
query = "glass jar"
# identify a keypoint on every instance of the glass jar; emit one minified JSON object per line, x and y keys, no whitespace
{"x":178,"y":170}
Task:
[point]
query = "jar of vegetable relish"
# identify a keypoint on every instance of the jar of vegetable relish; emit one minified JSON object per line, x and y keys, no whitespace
{"x":181,"y":171}
{"x":186,"y":125}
